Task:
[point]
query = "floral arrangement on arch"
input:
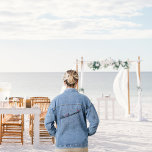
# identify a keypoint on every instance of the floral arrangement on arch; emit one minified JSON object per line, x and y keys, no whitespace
{"x":115,"y":64}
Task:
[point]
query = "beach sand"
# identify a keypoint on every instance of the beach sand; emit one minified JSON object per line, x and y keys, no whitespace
{"x":119,"y":135}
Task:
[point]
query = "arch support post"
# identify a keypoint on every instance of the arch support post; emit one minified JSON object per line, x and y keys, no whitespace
{"x":128,"y":93}
{"x":139,"y":92}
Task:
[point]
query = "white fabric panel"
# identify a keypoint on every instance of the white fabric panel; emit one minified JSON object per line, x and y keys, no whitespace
{"x":120,"y":88}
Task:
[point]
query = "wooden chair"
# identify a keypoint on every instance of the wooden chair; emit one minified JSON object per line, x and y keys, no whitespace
{"x":16,"y":101}
{"x":43,"y":103}
{"x":12,"y":126}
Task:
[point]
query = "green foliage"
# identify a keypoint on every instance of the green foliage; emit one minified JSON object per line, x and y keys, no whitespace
{"x":96,"y":65}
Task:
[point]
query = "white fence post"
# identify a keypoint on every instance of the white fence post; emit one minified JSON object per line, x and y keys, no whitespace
{"x":106,"y":108}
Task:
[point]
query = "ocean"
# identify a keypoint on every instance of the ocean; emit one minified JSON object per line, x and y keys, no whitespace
{"x":50,"y":84}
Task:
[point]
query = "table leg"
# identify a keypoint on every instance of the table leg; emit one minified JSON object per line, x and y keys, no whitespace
{"x":36,"y":130}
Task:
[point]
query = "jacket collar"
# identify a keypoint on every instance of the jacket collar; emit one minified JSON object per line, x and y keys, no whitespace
{"x":70,"y":90}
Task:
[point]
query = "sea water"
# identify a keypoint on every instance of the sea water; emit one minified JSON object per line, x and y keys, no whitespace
{"x":95,"y":84}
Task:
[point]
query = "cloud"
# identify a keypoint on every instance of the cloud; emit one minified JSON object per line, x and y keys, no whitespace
{"x":58,"y":19}
{"x":124,"y":34}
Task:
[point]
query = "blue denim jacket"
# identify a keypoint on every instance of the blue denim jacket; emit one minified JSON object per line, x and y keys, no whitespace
{"x":70,"y":111}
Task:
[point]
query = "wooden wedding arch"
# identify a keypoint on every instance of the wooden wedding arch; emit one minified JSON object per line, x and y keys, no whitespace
{"x":81,"y":62}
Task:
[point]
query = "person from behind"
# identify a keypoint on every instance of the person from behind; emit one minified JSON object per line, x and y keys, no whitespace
{"x":71,"y":110}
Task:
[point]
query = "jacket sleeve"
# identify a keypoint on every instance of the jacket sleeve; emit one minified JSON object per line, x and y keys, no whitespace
{"x":93,"y":119}
{"x":50,"y":120}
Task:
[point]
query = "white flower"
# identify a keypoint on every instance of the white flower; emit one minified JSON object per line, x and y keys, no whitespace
{"x":97,"y":64}
{"x":111,"y":61}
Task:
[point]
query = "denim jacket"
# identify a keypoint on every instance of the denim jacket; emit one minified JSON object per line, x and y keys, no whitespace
{"x":70,"y":110}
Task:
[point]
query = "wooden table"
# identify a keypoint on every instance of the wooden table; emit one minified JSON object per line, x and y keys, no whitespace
{"x":35,"y":110}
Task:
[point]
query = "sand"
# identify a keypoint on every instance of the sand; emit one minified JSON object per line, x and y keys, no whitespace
{"x":119,"y":135}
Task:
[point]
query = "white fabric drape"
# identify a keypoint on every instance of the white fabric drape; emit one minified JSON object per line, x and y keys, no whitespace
{"x":120,"y":88}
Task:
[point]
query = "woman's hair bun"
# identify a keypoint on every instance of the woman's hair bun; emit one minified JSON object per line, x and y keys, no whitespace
{"x":71,"y":77}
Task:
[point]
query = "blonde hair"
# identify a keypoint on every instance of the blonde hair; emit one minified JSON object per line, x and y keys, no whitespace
{"x":71,"y":78}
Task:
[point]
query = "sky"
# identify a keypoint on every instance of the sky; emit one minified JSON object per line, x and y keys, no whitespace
{"x":49,"y":35}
